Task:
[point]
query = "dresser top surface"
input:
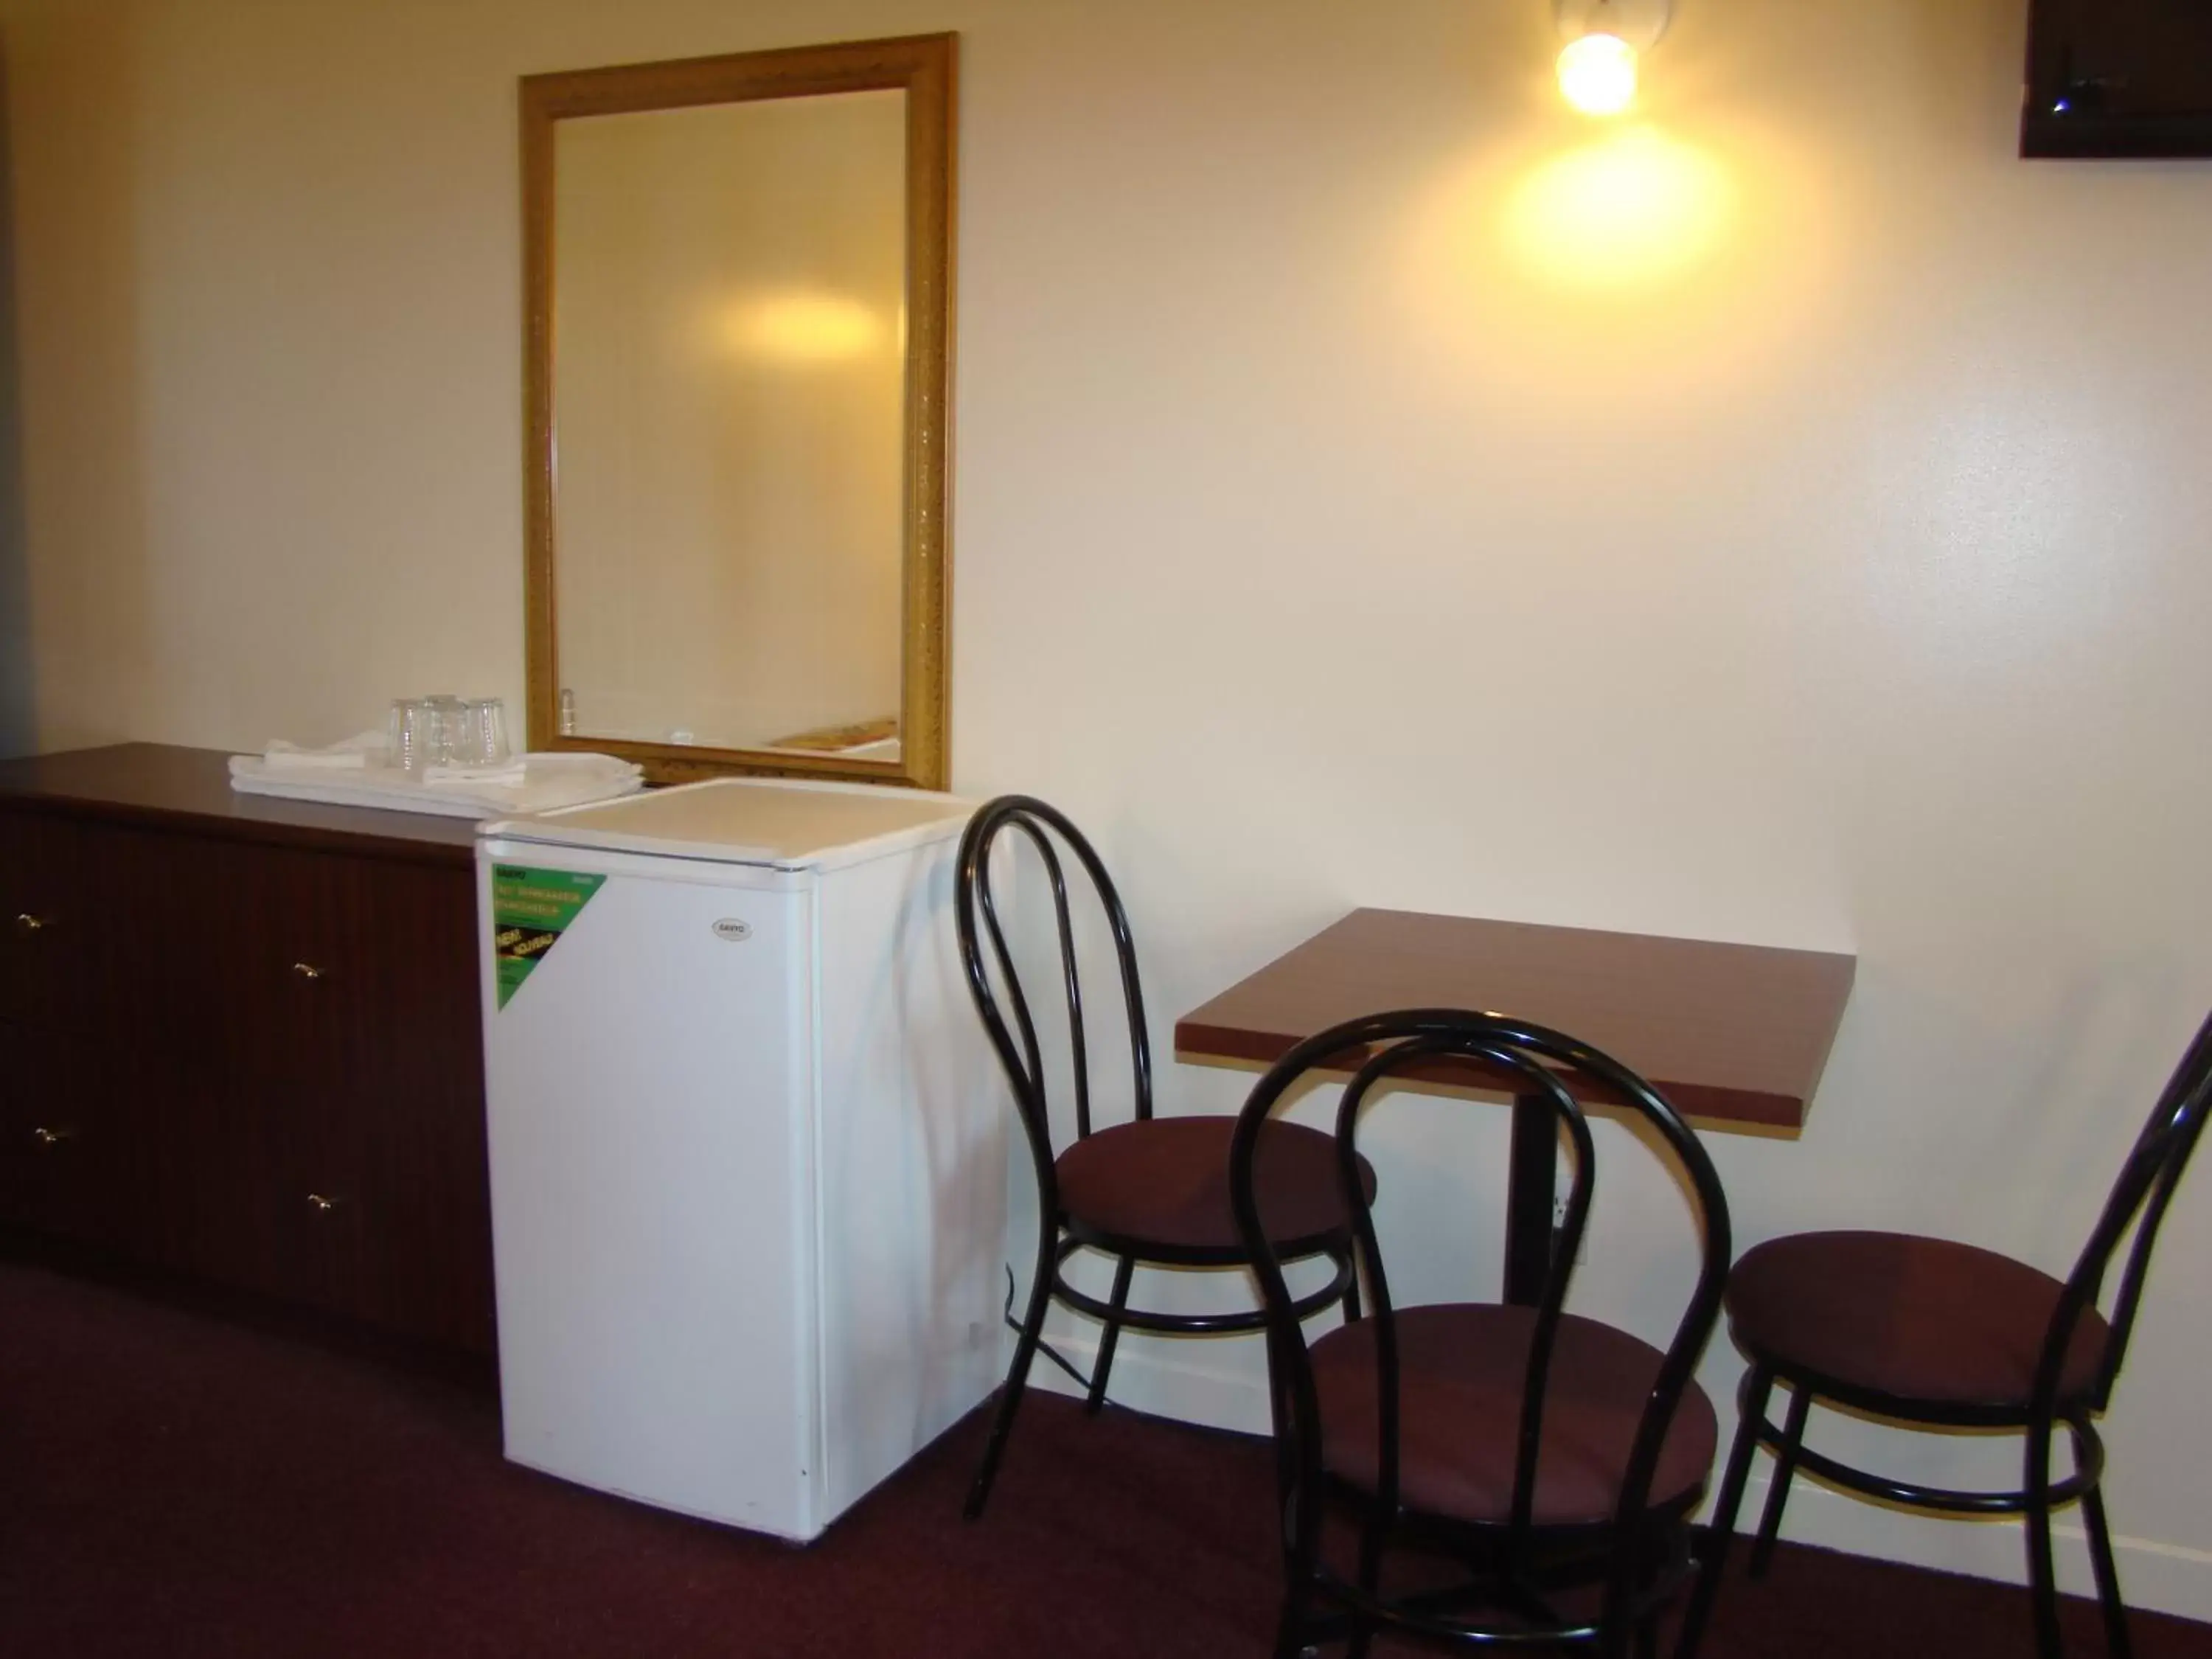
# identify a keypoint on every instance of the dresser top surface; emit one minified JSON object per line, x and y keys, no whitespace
{"x":161,"y":783}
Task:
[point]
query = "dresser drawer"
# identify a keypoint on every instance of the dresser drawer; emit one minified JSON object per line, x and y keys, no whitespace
{"x":251,"y":1197}
{"x":49,"y":930}
{"x":77,"y":1160}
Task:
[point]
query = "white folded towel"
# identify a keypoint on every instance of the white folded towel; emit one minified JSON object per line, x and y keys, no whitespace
{"x":352,"y":755}
{"x":506,"y":771}
{"x":548,"y":782}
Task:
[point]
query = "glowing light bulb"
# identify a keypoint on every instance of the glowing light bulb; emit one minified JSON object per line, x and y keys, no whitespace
{"x":1597,"y":74}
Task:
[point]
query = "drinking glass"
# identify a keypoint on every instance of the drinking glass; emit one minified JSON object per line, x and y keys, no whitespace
{"x":487,"y":732}
{"x":448,"y":743}
{"x":407,"y":735}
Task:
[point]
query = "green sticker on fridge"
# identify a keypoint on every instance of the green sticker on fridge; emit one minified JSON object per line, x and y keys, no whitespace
{"x":530,"y":911}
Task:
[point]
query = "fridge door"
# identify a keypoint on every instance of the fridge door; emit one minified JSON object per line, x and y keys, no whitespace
{"x":648,"y":1092}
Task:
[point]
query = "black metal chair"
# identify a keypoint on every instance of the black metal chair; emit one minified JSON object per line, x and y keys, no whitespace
{"x":1941,"y":1335}
{"x":1148,"y":1191}
{"x":1535,"y":1471}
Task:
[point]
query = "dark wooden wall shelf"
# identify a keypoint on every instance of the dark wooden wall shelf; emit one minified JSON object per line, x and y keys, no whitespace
{"x":239,"y":1039}
{"x":2118,"y":79}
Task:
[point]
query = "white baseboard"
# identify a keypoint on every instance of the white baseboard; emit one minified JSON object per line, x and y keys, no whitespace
{"x":2160,"y":1577}
{"x":1145,"y":1381}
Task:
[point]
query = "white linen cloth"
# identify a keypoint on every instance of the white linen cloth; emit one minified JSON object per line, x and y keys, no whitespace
{"x":351,"y":755}
{"x":543,"y":782}
{"x":514,"y":770}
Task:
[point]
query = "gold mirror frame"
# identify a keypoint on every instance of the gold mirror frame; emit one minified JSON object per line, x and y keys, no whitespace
{"x":923,"y":67}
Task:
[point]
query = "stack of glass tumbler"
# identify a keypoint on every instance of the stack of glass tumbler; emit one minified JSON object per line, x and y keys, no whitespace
{"x":460,"y":734}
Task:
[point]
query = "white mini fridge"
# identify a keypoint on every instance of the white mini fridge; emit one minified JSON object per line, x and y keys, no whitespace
{"x":748,"y":1151}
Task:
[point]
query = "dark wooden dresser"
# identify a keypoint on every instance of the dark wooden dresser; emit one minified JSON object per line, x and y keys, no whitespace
{"x":239,"y":1038}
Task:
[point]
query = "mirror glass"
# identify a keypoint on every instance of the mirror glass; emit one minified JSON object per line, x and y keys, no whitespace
{"x":739,"y":374}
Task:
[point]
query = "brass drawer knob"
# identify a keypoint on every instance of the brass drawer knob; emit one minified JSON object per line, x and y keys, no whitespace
{"x":27,"y":923}
{"x":321,"y":1203}
{"x":307,"y":970}
{"x":46,"y":1137}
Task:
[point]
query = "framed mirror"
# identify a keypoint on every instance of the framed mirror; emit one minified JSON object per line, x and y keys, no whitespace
{"x":737,"y":315}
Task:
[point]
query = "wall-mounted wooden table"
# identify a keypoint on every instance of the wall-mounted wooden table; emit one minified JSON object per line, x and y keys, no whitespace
{"x":1734,"y":1036}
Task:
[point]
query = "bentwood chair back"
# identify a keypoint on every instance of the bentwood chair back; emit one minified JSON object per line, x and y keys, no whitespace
{"x":1140,"y":1190}
{"x":1554,"y":1461}
{"x":1937,"y":1335}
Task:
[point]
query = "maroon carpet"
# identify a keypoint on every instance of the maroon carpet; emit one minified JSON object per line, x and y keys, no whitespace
{"x":175,"y":1485}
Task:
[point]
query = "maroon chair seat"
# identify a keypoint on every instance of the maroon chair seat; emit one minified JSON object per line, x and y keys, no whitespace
{"x":1463,"y":1375}
{"x":1908,"y":1318}
{"x":1165,"y":1180}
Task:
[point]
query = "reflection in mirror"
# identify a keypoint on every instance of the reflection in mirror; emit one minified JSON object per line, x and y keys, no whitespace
{"x":739,"y":413}
{"x":743,"y":443}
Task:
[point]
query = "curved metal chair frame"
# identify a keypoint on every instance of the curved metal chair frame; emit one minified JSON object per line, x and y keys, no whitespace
{"x":1642,"y":1556}
{"x":2139,"y":1199}
{"x":1059,"y":1235}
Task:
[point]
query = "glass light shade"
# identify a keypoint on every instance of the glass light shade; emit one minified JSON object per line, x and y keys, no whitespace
{"x":1597,"y":74}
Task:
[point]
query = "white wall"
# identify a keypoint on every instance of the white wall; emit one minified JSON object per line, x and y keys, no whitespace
{"x":1807,"y":549}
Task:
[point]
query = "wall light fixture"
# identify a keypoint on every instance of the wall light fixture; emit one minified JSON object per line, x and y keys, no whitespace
{"x":1604,"y":40}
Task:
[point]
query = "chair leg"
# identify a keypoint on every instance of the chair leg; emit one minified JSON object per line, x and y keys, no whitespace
{"x":2042,"y":1577}
{"x":1374,"y":1528}
{"x":1628,"y":1640}
{"x":1758,"y":1384}
{"x":1785,"y":1469}
{"x":2108,"y":1577}
{"x":1018,"y":1378}
{"x":1301,"y":1556}
{"x":2043,"y":1582}
{"x":1103,"y":1365}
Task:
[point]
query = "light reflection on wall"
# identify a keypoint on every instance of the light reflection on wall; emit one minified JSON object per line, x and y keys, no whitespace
{"x":804,"y":327}
{"x":1634,"y":209}
{"x":1632,"y":269}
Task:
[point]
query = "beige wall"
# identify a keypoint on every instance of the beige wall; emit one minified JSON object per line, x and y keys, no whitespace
{"x":1794,"y":530}
{"x":18,"y":728}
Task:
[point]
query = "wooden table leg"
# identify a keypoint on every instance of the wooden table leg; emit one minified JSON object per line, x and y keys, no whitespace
{"x":1533,"y":1169}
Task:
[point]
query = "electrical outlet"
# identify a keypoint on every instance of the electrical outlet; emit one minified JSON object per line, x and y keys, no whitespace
{"x":1560,"y":1220}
